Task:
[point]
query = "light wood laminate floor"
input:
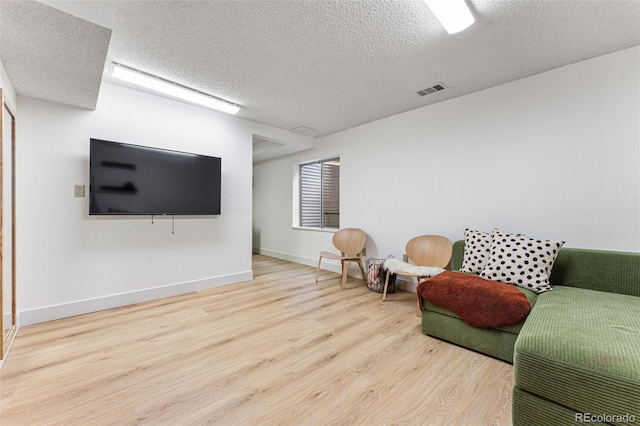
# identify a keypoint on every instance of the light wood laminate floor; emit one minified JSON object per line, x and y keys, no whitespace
{"x":278,"y":350}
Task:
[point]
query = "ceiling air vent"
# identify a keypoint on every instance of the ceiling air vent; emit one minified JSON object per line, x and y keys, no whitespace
{"x":433,"y":89}
{"x":303,"y":130}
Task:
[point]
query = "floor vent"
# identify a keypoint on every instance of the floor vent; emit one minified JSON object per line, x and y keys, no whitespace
{"x":433,"y":89}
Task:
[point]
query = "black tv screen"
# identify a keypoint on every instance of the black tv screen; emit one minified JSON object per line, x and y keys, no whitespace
{"x":136,"y":180}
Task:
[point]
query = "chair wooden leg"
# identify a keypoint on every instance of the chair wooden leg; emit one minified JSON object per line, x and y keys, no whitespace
{"x":345,"y":269}
{"x":386,"y":284}
{"x":318,"y":269}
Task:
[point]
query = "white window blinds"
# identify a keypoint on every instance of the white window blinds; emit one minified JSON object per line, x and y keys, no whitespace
{"x":320,"y":194}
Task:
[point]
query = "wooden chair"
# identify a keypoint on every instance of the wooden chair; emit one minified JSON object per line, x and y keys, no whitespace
{"x":425,"y":250}
{"x":350,"y":242}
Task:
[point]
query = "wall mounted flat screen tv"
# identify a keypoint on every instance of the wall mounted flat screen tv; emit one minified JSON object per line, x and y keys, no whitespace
{"x":136,"y":180}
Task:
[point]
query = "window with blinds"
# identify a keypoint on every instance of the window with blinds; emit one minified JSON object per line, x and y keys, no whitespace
{"x":320,"y":194}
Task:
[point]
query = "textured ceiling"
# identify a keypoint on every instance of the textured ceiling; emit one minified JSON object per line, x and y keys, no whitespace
{"x":325,"y":65}
{"x":51,"y":55}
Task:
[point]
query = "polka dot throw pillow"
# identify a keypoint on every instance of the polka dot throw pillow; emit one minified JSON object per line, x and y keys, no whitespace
{"x":477,"y":247}
{"x":523,"y":261}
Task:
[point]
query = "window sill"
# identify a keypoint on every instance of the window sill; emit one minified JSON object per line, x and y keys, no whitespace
{"x":305,"y":228}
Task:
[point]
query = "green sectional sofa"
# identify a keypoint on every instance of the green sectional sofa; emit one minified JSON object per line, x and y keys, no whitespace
{"x":576,"y":357}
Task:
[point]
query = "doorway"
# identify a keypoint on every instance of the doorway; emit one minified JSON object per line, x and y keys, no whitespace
{"x":8,"y":319}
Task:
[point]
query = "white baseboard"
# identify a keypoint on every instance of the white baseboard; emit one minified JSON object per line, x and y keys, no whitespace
{"x":290,"y":257}
{"x":328,"y":265}
{"x":54,"y":312}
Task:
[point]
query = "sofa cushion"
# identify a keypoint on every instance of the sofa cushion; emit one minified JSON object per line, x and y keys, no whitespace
{"x":523,"y":261}
{"x":610,"y":271}
{"x":581,"y":349}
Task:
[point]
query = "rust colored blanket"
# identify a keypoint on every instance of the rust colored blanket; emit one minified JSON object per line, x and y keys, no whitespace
{"x":477,"y":301}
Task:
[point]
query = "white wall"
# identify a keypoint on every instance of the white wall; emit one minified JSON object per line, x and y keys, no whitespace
{"x":555,"y":155}
{"x":69,"y":262}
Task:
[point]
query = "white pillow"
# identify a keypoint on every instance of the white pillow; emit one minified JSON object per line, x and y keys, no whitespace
{"x":520,"y":260}
{"x":477,"y":247}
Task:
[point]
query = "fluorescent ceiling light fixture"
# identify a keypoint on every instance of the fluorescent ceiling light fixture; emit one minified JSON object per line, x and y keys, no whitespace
{"x":454,"y":15}
{"x":158,"y":84}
